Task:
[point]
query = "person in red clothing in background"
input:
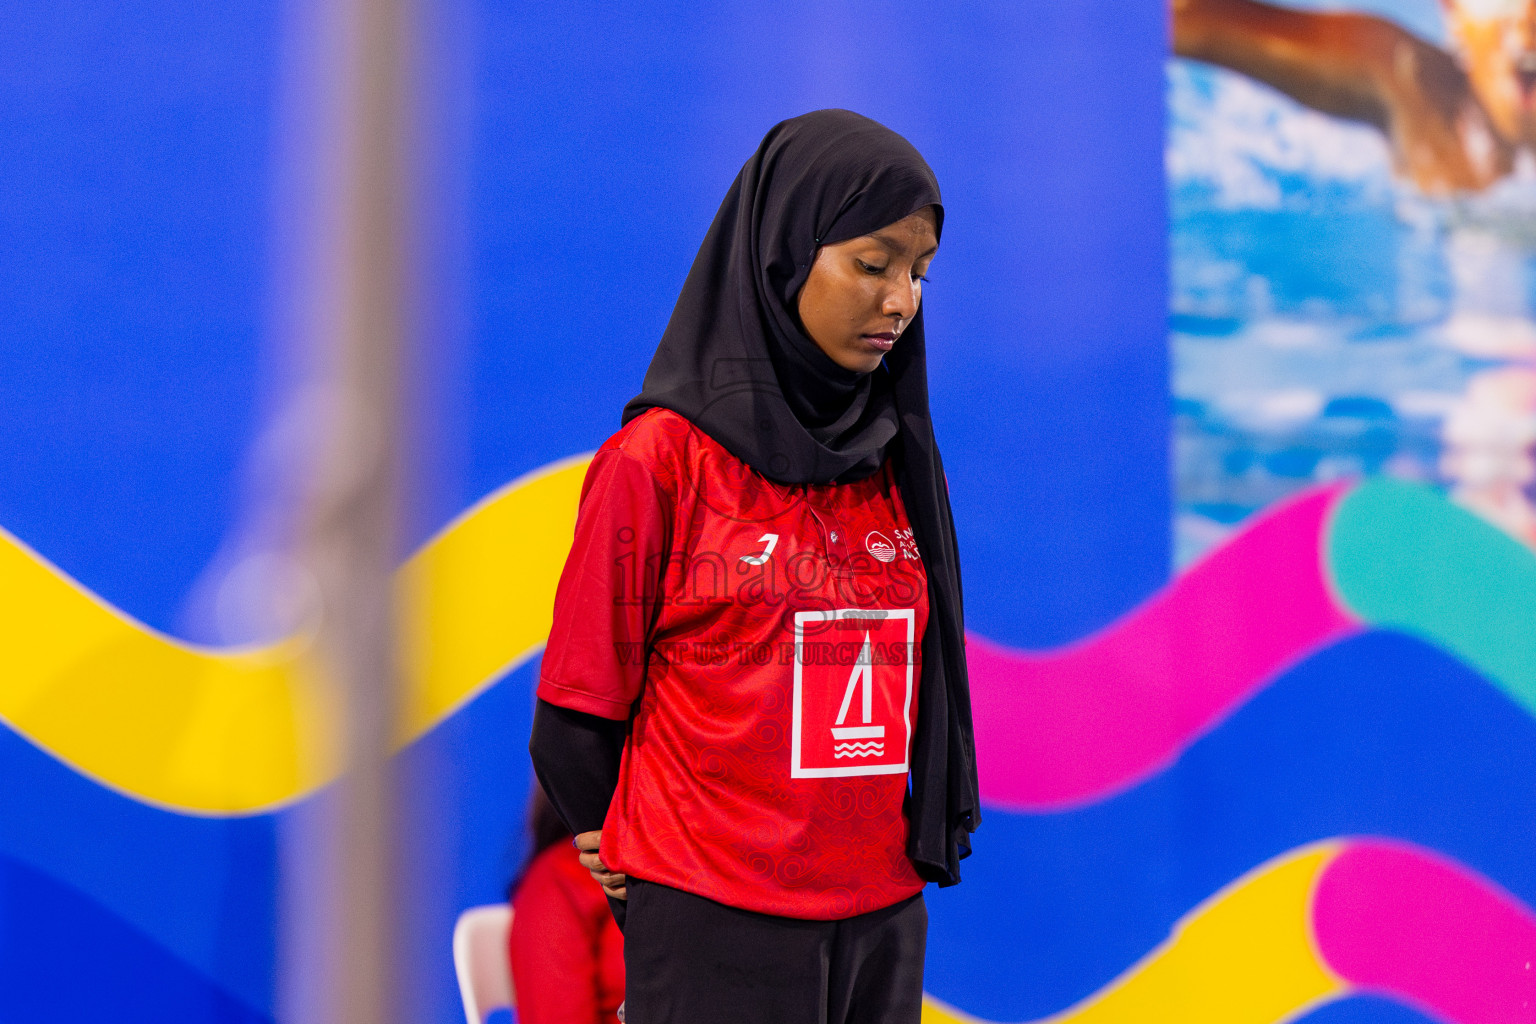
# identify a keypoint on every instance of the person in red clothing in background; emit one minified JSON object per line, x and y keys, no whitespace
{"x":566,"y":950}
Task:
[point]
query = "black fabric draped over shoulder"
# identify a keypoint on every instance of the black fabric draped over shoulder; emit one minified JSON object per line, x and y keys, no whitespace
{"x":735,"y":362}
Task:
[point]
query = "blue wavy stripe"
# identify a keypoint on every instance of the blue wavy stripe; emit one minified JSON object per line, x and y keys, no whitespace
{"x":1366,"y":1010}
{"x":201,"y":888}
{"x":1381,"y":734}
{"x":204,"y":890}
{"x":66,"y":959}
{"x":463,"y":799}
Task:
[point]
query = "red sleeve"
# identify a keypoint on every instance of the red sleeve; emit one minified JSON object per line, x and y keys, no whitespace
{"x":607,"y":597}
{"x":555,"y":945}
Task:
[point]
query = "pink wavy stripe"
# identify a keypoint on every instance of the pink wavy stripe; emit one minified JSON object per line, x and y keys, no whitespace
{"x":1074,"y":725}
{"x":1404,"y":922}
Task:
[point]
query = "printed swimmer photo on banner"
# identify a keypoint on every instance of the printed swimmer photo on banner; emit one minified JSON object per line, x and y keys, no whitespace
{"x":1352,"y":199}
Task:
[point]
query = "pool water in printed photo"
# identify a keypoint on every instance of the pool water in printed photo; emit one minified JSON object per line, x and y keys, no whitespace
{"x":1329,"y":321}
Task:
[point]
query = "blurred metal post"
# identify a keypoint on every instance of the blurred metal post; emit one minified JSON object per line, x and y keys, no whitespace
{"x":349,"y":529}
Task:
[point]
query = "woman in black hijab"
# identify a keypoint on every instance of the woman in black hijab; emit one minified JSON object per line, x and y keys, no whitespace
{"x":794,"y":365}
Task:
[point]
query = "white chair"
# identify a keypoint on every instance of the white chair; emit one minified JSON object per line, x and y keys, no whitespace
{"x":480,"y":960}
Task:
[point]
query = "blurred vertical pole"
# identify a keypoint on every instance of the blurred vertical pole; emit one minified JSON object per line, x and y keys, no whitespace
{"x":353,"y":345}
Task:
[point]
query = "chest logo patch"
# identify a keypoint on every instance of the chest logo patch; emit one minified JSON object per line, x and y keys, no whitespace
{"x":852,"y":692}
{"x":879,"y":545}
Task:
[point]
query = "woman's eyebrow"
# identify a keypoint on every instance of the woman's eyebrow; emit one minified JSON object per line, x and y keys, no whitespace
{"x":896,"y":247}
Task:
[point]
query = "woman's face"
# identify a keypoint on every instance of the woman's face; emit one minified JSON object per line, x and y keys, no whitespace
{"x":862,"y":293}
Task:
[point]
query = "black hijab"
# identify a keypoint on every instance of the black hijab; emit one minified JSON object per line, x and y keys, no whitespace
{"x":735,"y":363}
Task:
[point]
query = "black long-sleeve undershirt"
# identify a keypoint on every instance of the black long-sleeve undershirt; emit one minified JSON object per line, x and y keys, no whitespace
{"x":576,"y":757}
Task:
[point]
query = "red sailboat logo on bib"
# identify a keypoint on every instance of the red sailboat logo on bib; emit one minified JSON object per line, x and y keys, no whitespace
{"x":853,"y":692}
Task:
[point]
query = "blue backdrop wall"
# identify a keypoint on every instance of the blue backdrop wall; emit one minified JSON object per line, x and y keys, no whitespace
{"x":572,"y":160}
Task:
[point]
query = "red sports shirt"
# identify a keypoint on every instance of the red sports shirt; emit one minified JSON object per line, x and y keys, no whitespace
{"x":771,"y":635}
{"x":566,"y":951}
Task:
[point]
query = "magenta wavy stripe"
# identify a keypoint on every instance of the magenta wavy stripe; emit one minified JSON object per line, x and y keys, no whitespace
{"x":1050,"y":736}
{"x":1398,"y":920}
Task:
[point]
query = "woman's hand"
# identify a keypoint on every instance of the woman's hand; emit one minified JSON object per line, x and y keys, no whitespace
{"x":591,"y":859}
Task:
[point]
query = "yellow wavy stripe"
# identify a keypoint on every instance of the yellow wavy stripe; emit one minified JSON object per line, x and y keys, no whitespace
{"x":1244,"y":956}
{"x":478,"y":598}
{"x":212,"y":731}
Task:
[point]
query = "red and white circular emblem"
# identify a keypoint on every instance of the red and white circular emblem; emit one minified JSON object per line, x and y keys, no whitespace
{"x":880,"y":546}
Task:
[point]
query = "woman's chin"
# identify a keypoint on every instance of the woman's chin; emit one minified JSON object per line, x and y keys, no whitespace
{"x":860,"y":358}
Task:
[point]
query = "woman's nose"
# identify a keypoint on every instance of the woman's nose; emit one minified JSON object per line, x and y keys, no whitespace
{"x":901,"y":301}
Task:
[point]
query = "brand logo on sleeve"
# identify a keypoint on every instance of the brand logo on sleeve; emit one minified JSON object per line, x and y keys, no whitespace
{"x":852,"y":692}
{"x":879,"y":545}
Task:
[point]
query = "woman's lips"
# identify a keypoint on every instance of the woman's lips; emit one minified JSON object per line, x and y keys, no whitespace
{"x":883,"y":342}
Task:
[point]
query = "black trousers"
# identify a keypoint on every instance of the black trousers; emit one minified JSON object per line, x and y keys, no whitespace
{"x":690,"y":960}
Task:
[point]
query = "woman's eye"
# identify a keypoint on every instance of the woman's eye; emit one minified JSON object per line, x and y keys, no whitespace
{"x":869,"y":268}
